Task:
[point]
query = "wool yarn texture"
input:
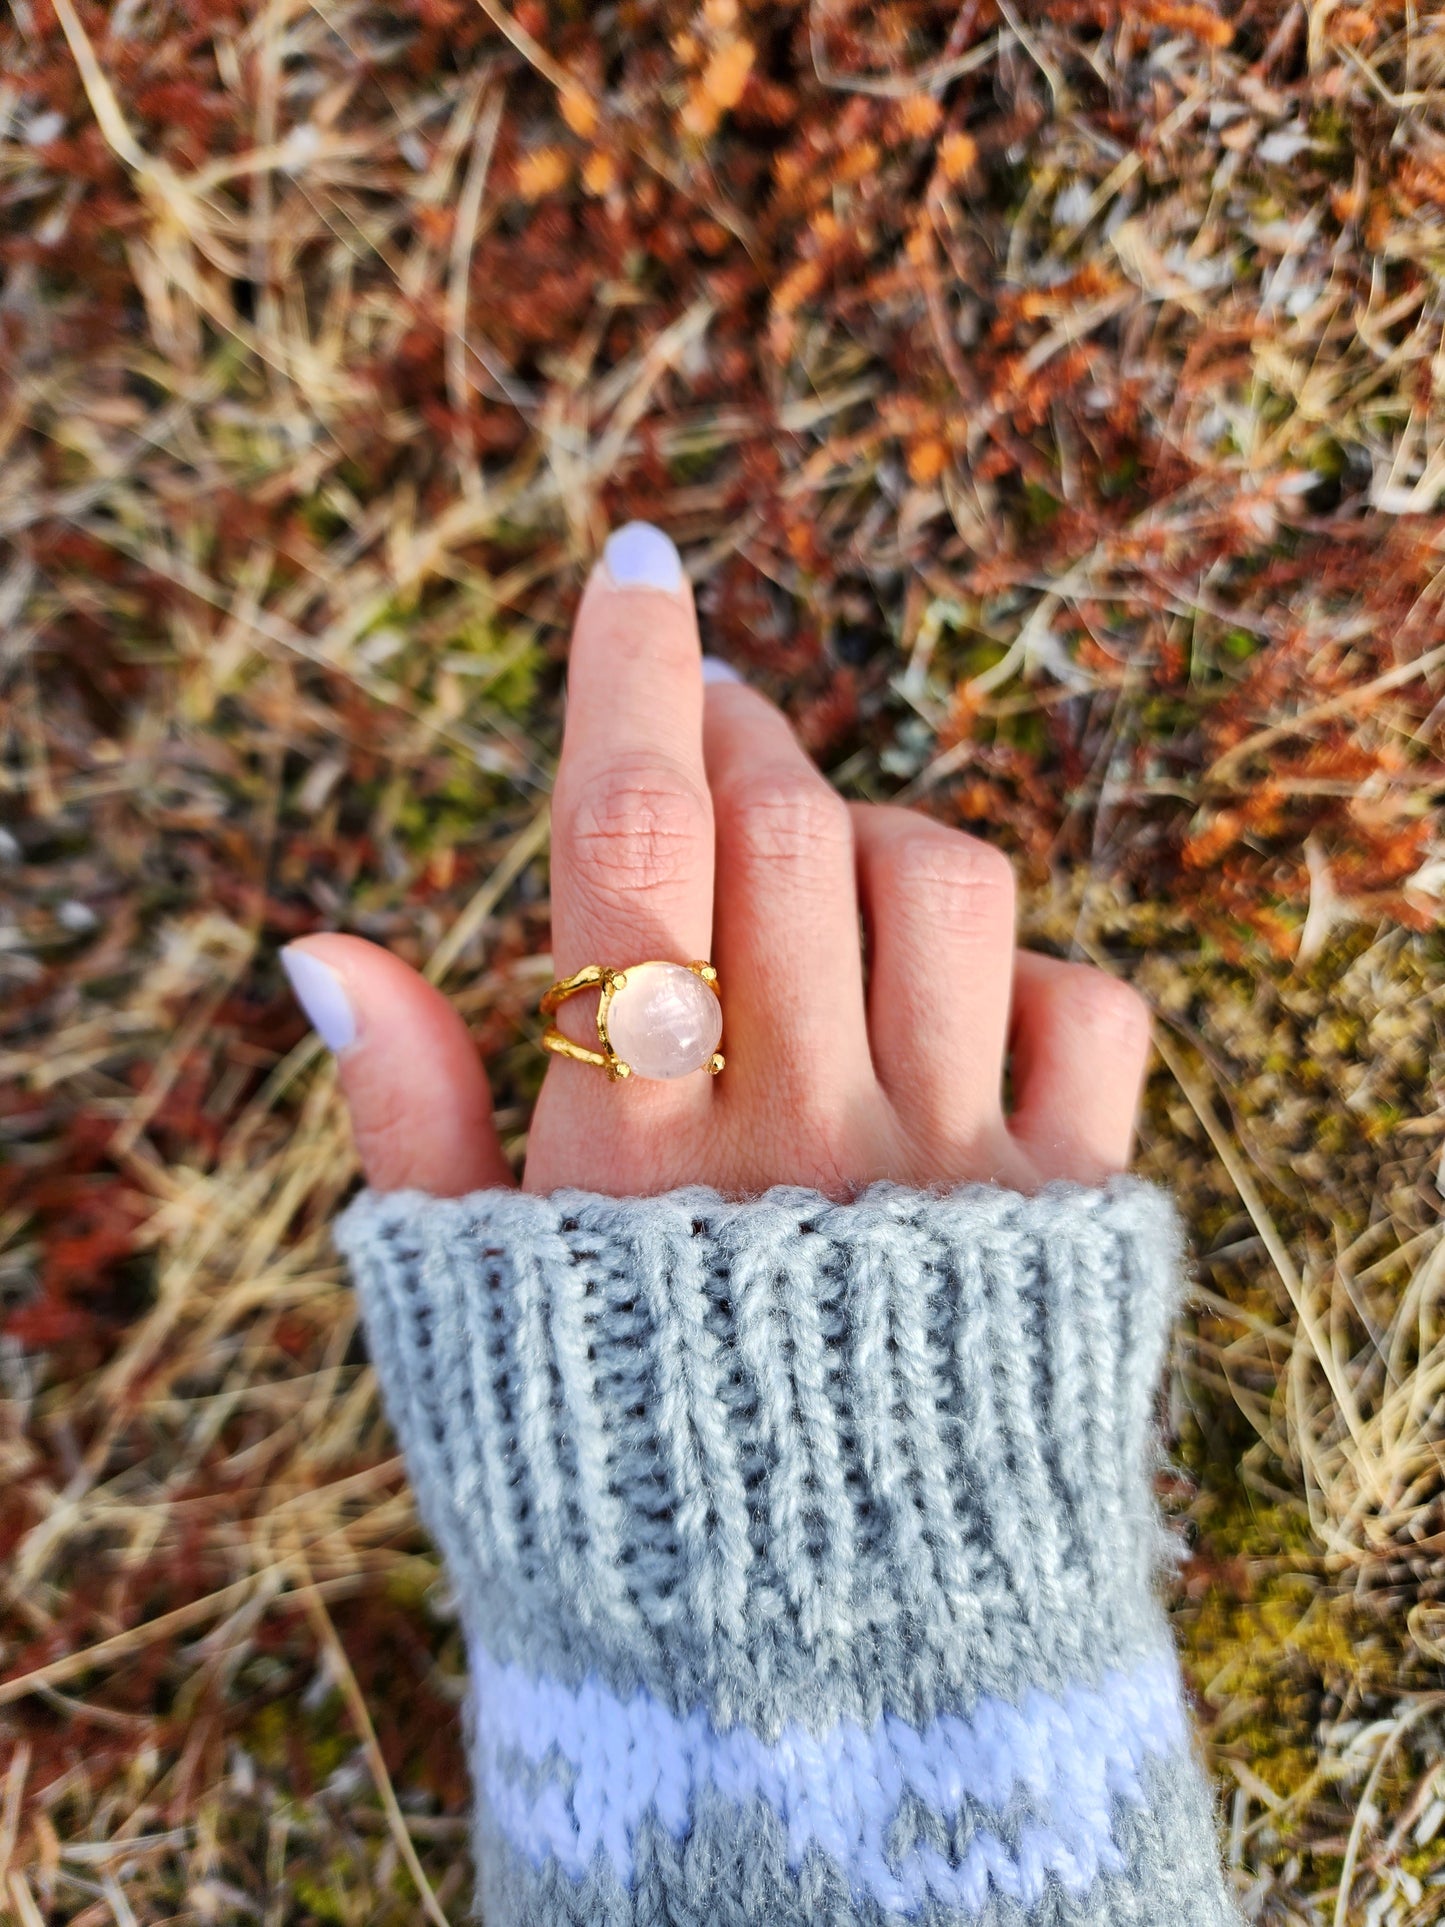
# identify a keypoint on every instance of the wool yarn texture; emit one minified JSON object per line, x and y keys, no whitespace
{"x":805,"y":1550}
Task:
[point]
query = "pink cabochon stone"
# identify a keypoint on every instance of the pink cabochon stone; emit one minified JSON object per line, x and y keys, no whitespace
{"x":664,"y":1021}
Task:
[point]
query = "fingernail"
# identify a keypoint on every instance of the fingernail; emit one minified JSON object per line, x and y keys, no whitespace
{"x":639,"y":556}
{"x":322,"y":995}
{"x":714,"y":669}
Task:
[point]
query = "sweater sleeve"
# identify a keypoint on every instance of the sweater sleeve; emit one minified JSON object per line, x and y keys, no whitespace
{"x":805,"y":1551}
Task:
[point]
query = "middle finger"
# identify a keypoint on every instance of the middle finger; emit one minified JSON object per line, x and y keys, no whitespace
{"x":787,"y":912}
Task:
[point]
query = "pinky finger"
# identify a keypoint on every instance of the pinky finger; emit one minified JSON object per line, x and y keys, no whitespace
{"x":1080,"y":1051}
{"x":421,"y":1109}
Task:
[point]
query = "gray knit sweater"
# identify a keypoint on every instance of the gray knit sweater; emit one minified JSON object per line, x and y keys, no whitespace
{"x":805,"y":1550}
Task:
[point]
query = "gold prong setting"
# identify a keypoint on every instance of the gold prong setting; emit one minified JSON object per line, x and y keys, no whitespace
{"x":671,"y":1034}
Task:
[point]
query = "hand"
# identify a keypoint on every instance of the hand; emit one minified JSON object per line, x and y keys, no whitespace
{"x":688,"y":823}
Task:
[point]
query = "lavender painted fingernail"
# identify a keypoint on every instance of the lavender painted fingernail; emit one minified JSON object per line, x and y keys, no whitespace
{"x":714,"y":669}
{"x":639,"y":556}
{"x":322,"y":995}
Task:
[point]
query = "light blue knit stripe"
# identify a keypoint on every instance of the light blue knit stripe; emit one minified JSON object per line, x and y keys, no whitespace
{"x":571,"y":1772}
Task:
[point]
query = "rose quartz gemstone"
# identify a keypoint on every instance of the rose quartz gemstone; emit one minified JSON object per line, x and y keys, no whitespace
{"x":664,"y":1021}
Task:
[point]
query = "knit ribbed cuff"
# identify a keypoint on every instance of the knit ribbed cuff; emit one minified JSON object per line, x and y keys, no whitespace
{"x":837,"y":1514}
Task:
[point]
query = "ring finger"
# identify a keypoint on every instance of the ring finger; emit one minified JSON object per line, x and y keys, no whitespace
{"x":940,"y":911}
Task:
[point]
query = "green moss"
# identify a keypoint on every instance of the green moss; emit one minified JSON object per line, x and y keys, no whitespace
{"x":409,"y":1584}
{"x":1327,"y":458}
{"x":689,"y":466}
{"x":1332,"y":129}
{"x":1040,"y":507}
{"x":1026,"y":730}
{"x":272,"y":1731}
{"x":321,"y":519}
{"x":1119,"y":477}
{"x":322,"y":1903}
{"x":1269,"y":1660}
{"x":448,"y":812}
{"x":508,"y":666}
{"x":978,"y":654}
{"x":1384,"y":1121}
{"x":1167,"y":716}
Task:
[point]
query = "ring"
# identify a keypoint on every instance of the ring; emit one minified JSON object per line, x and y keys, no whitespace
{"x":654,"y":1020}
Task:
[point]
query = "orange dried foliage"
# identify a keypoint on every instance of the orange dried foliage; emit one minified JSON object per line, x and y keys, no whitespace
{"x":1204,"y":846}
{"x":860,"y":163}
{"x":927,"y":459}
{"x":957,"y":155}
{"x":1355,"y":26}
{"x":599,"y":173}
{"x":917,"y":117}
{"x":1181,"y":16}
{"x":1423,"y":178}
{"x":1092,"y":279}
{"x":801,"y":284}
{"x":579,"y":111}
{"x":719,"y":88}
{"x":542,"y":172}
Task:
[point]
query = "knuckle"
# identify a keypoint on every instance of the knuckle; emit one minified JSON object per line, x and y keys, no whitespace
{"x":1114,"y":1011}
{"x":958,"y":881}
{"x":634,"y":830}
{"x":789,"y":819}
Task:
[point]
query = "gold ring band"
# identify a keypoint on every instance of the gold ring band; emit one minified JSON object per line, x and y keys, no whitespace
{"x":691,"y":1032}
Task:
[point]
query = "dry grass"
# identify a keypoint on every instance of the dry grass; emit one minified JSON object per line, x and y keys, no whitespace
{"x":1048,"y":400}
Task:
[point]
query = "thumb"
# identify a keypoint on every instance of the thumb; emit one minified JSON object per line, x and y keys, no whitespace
{"x":420,"y":1107}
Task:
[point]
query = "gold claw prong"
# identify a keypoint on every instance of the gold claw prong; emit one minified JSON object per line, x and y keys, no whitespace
{"x":569,"y":986}
{"x":617,"y":1069}
{"x":616,"y":979}
{"x":560,"y":1046}
{"x":715,"y":1063}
